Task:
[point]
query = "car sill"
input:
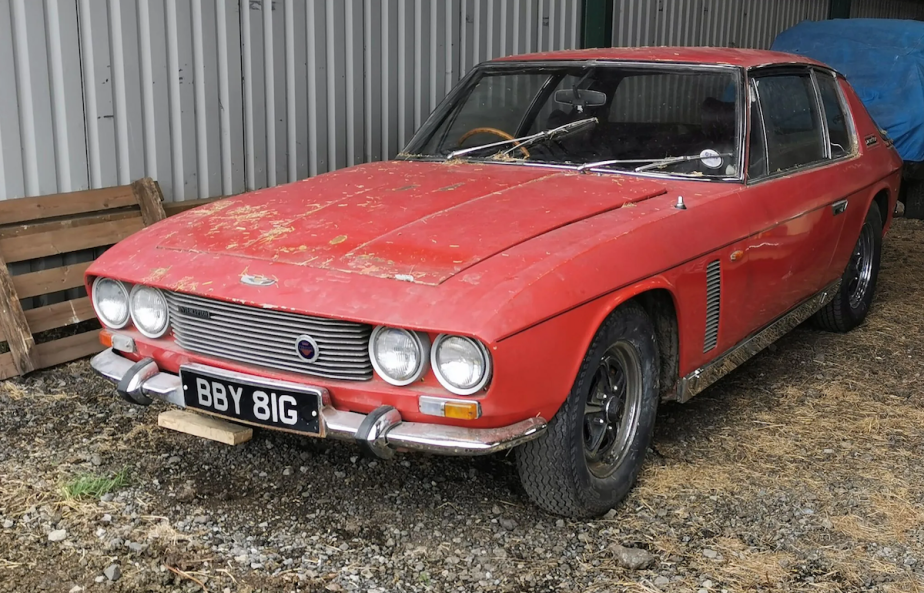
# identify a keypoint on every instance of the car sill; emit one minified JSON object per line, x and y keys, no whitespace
{"x":703,"y":377}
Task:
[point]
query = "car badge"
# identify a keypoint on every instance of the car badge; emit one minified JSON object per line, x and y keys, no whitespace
{"x":307,"y":348}
{"x":194,"y":312}
{"x":257,"y":280}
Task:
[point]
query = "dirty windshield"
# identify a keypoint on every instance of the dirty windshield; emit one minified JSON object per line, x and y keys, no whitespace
{"x":658,"y":119}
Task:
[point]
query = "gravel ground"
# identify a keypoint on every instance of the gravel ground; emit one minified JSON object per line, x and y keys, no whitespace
{"x":799,"y":472}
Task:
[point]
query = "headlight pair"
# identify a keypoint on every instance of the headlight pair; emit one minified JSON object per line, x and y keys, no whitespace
{"x":462,"y":365}
{"x":146,"y":306}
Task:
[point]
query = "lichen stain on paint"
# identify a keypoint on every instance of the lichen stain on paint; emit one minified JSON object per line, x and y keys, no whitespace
{"x":338,"y":239}
{"x":187,"y":283}
{"x":156,"y":274}
{"x":272,"y":235}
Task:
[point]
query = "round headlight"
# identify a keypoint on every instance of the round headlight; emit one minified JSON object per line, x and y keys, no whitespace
{"x":398,"y":356}
{"x":149,"y":311}
{"x":110,"y":300}
{"x":461,"y":364}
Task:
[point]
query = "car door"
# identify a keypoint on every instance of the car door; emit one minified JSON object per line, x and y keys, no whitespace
{"x":792,"y":193}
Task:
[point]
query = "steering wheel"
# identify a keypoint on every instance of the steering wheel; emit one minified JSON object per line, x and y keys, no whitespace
{"x":496,"y":132}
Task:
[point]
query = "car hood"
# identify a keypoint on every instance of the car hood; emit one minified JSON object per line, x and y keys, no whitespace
{"x":420,"y":222}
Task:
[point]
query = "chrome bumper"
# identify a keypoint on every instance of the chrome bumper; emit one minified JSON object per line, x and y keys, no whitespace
{"x":381,"y":432}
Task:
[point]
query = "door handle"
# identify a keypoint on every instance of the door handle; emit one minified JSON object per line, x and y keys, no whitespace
{"x":839,"y":207}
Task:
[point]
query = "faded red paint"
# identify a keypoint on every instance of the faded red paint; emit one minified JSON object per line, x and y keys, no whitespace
{"x":745,"y":58}
{"x":529,"y":260}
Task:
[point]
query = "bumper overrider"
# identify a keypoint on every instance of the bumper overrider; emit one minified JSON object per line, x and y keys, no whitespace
{"x":380,"y":432}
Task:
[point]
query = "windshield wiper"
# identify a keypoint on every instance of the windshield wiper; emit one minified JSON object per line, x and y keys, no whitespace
{"x":527,"y":140}
{"x":652,"y":163}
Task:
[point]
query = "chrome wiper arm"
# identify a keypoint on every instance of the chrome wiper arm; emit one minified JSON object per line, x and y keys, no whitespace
{"x":679,"y":159}
{"x":559,"y":131}
{"x":525,"y":139}
{"x":597,"y":164}
{"x":652,"y":163}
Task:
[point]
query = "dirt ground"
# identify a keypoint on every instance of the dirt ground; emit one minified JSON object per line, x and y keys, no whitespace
{"x":799,"y":472}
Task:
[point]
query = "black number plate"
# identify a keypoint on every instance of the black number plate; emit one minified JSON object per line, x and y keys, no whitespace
{"x":252,"y":400}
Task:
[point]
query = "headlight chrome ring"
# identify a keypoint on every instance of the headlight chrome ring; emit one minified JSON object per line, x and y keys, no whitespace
{"x":110,"y":323}
{"x":437,"y":370}
{"x":422,"y":344}
{"x":162,"y":305}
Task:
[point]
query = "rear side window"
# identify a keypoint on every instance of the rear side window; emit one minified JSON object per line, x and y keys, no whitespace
{"x":838,"y":132}
{"x":792,"y":122}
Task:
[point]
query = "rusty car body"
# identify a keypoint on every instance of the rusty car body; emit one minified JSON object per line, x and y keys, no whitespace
{"x":569,"y":239}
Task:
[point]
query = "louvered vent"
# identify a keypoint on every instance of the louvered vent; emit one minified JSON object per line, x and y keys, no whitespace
{"x":713,"y":303}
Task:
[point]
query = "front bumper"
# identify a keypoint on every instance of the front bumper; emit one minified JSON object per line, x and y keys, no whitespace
{"x":381,"y":432}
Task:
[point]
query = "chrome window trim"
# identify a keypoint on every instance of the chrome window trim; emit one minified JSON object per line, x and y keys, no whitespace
{"x":845,"y":108}
{"x":423,"y":346}
{"x":816,"y":164}
{"x":488,"y":366}
{"x":462,"y":86}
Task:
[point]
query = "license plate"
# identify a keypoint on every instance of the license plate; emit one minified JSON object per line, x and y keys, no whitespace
{"x":253,"y":401}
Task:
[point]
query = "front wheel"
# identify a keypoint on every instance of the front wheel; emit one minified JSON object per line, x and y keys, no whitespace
{"x":850,"y":305}
{"x":594,"y":447}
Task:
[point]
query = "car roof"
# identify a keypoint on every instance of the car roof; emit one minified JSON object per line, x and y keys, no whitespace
{"x":745,"y":58}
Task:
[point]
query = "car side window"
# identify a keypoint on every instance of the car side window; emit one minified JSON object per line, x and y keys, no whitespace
{"x":838,"y":132}
{"x":792,"y":121}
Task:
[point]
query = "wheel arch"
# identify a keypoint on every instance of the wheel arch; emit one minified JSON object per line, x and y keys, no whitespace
{"x":657,"y":296}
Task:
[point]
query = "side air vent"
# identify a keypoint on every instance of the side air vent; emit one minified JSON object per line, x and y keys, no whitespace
{"x":713,"y":302}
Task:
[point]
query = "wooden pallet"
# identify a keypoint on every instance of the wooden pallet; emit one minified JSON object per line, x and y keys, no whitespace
{"x":46,"y":226}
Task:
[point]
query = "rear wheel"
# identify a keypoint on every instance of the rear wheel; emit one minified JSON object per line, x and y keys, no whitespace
{"x":595,"y":444}
{"x":849,"y":307}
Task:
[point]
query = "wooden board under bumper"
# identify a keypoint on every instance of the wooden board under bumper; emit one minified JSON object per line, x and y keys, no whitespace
{"x":205,"y":427}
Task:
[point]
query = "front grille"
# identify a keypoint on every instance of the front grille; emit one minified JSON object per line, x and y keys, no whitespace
{"x":267,"y":338}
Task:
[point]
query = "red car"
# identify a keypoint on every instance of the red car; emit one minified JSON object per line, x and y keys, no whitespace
{"x":570,"y":239}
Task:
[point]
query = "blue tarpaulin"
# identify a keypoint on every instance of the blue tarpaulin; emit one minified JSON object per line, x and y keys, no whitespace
{"x":883,"y":60}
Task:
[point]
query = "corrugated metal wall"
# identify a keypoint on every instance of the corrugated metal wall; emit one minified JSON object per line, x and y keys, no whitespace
{"x":212,"y":97}
{"x":887,"y":9}
{"x":731,"y":23}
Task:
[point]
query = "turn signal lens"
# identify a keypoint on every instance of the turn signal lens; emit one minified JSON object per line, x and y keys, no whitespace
{"x":105,"y":338}
{"x":462,"y":411}
{"x":449,"y":408}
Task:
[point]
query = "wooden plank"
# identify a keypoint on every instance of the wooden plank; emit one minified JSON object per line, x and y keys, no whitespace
{"x":59,"y":314}
{"x":7,"y":368}
{"x":78,"y":202}
{"x":53,"y":280}
{"x":68,"y":349}
{"x":16,"y":249}
{"x":14,"y":325}
{"x":205,"y":427}
{"x":151,"y":200}
{"x":174,"y":208}
{"x":68,"y":223}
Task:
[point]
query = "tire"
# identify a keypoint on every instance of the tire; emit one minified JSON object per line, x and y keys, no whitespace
{"x":914,"y":199}
{"x":850,"y":305}
{"x":560,"y":472}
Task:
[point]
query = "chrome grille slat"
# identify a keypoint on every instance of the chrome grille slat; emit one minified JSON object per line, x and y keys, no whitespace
{"x":217,"y":325}
{"x":248,"y":312}
{"x":281,"y":353}
{"x":266,"y":337}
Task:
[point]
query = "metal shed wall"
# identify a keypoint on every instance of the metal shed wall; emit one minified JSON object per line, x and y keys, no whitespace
{"x":887,"y":9}
{"x":725,"y":23}
{"x":214,"y":97}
